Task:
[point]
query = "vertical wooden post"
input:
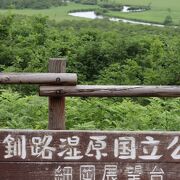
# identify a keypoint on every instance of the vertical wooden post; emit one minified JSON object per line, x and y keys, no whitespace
{"x":57,"y":104}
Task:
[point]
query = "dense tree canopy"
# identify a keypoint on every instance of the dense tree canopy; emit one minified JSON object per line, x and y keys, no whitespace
{"x":36,"y":4}
{"x":100,"y":52}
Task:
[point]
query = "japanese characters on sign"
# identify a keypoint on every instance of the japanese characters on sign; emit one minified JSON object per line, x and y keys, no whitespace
{"x":109,"y":172}
{"x":91,"y":148}
{"x":94,"y":155}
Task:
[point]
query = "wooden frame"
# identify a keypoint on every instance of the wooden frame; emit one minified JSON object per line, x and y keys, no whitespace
{"x":110,"y":91}
{"x":39,"y":78}
{"x":86,"y":155}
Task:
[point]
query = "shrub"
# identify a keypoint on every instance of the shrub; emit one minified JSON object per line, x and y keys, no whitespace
{"x":168,"y":20}
{"x":111,"y":6}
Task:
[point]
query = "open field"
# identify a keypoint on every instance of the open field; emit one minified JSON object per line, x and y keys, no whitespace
{"x":159,"y":10}
{"x":55,"y":13}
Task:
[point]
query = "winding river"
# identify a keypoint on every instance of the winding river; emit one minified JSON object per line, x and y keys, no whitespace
{"x":92,"y":15}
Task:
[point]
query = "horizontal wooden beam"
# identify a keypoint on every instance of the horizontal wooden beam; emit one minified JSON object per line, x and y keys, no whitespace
{"x":39,"y":78}
{"x":111,"y":91}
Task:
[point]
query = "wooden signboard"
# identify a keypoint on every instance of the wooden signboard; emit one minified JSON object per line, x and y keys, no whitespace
{"x":82,"y":155}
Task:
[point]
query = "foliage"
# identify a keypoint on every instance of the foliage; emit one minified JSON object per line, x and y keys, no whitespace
{"x":136,"y":8}
{"x":168,"y":20}
{"x":35,"y":4}
{"x":101,"y":11}
{"x":101,"y":52}
{"x":111,"y":6}
{"x":89,"y":2}
{"x":29,"y":112}
{"x":32,"y":112}
{"x":103,"y":114}
{"x":95,"y":50}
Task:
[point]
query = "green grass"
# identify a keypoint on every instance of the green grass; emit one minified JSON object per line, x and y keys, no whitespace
{"x":157,"y":14}
{"x":159,"y":10}
{"x":55,"y":13}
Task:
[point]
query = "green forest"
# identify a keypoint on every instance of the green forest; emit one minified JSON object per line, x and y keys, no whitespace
{"x":100,"y":52}
{"x":34,"y":4}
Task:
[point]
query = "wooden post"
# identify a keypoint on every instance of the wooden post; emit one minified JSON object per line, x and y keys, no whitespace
{"x":57,"y":104}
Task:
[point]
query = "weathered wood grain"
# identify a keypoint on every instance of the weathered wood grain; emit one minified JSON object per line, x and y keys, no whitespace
{"x":110,"y":91}
{"x":81,"y":146}
{"x":34,"y":166}
{"x":38,"y":78}
{"x":57,"y":104}
{"x":47,"y":171}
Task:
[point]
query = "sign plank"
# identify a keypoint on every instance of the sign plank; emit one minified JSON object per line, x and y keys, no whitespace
{"x":79,"y":146}
{"x":80,"y":155}
{"x":89,"y":171}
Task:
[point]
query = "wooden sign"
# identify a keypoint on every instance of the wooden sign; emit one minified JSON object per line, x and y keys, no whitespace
{"x":69,"y":155}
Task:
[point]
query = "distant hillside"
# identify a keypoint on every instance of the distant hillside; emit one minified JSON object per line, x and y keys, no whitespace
{"x":34,"y":4}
